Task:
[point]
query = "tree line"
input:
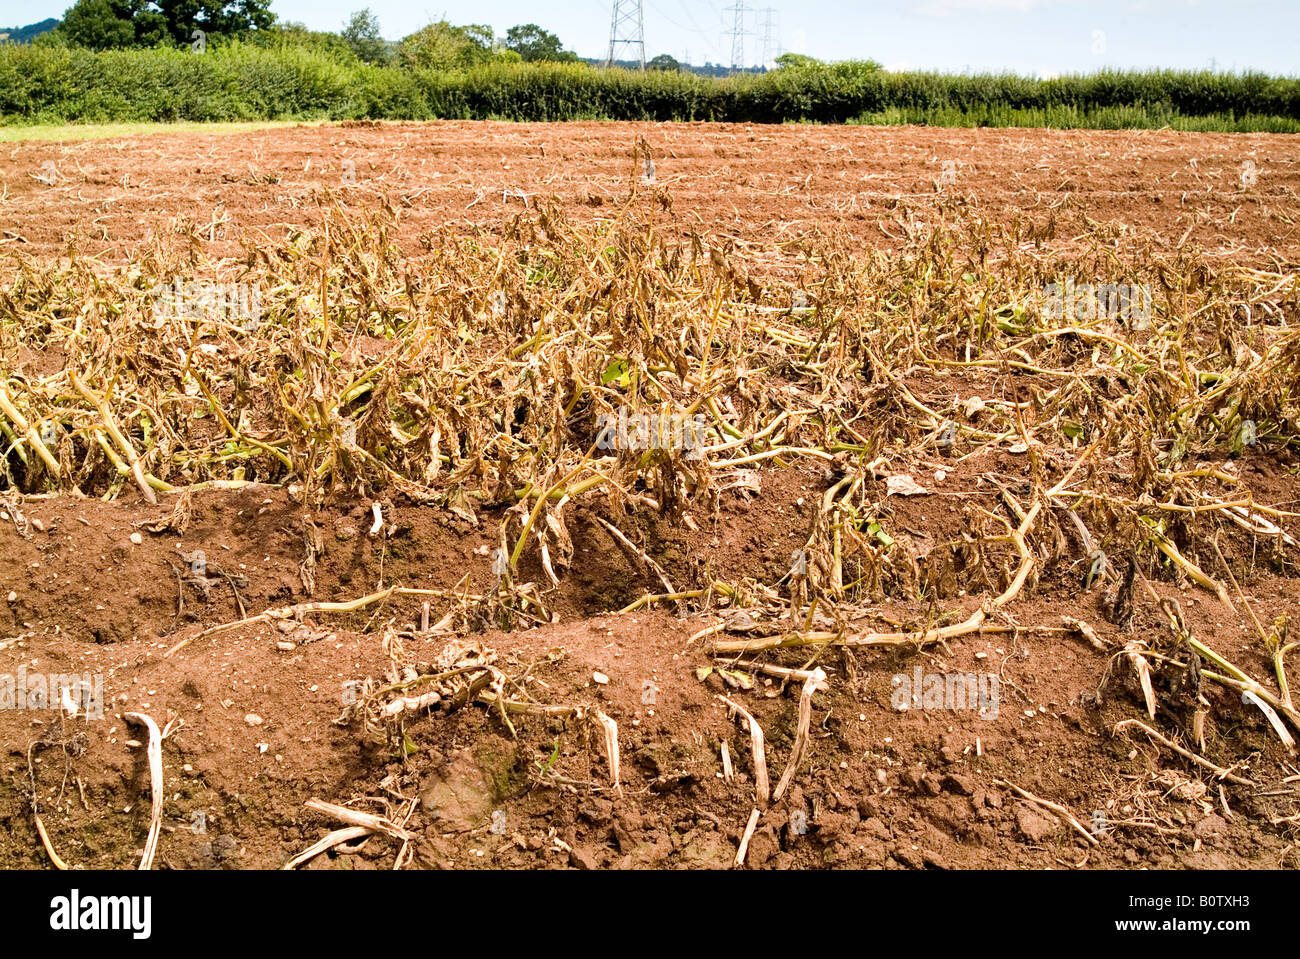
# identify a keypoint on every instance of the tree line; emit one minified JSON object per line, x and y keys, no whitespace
{"x":145,"y":24}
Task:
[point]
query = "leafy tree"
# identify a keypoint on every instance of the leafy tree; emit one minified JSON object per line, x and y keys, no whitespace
{"x":796,"y":61}
{"x":533,"y":44}
{"x":481,"y":34}
{"x":441,"y":46}
{"x":290,"y":34}
{"x":663,"y":62}
{"x":111,"y":24}
{"x":362,"y":35}
{"x":224,"y":18}
{"x":97,"y":25}
{"x":104,"y":24}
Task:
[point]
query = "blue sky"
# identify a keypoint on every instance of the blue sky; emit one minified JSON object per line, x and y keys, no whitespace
{"x":1025,"y":36}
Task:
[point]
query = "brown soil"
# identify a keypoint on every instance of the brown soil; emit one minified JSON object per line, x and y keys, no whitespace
{"x":260,"y":704}
{"x":765,"y":187}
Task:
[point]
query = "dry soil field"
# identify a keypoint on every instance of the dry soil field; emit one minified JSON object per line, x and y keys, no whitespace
{"x":944,"y":578}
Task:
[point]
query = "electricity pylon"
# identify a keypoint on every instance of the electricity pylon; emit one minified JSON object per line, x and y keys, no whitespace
{"x":771,"y":35}
{"x":627,"y":28}
{"x":737,"y":34}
